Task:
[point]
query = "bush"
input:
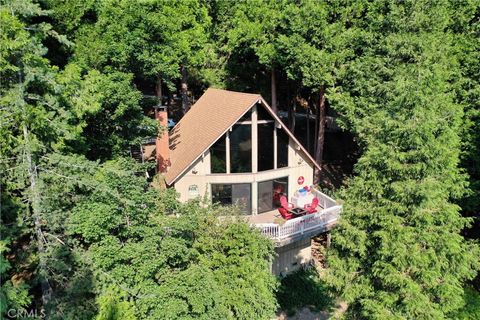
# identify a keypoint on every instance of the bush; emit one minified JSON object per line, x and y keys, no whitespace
{"x":303,"y":288}
{"x":471,"y":311}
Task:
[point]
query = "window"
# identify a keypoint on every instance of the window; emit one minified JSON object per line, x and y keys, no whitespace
{"x":263,"y":114}
{"x":269,"y":193}
{"x":282,"y":148}
{"x":193,"y":191}
{"x":265,"y":146}
{"x":218,"y":156}
{"x":241,"y":148}
{"x":233,"y":194}
{"x":247,"y":116}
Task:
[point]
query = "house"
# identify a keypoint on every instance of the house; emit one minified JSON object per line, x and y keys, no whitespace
{"x":231,"y":147}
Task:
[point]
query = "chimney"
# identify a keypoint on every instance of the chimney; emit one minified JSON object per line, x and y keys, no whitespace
{"x":162,"y":141}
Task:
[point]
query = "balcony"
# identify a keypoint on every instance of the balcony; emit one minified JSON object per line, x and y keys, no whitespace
{"x":328,"y":212}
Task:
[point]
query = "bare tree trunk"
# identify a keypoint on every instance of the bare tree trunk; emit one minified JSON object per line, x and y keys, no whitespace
{"x":158,"y":90}
{"x":322,"y":114}
{"x":184,"y":90}
{"x":34,"y":200}
{"x":274,"y":90}
{"x":308,"y":130}
{"x":169,"y":98}
{"x":291,"y":117}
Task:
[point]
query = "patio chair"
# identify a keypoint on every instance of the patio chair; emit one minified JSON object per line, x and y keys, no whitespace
{"x":285,"y":214}
{"x":285,"y":204}
{"x":312,"y":207}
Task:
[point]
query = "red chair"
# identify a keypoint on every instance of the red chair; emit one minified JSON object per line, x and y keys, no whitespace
{"x":312,"y":207}
{"x":285,"y":214}
{"x":285,"y":204}
{"x":277,"y":193}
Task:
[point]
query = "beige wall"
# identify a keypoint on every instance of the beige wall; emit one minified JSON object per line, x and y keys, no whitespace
{"x":199,"y":174}
{"x":291,"y":257}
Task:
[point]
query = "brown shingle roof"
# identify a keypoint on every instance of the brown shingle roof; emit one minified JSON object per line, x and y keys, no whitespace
{"x":206,"y":121}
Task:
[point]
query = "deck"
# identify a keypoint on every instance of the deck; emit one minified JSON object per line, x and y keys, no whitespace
{"x":285,"y":232}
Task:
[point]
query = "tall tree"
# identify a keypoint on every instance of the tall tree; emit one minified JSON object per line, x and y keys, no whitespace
{"x":466,"y":27}
{"x":313,"y":48}
{"x":157,"y":41}
{"x":253,"y":26}
{"x":31,"y":118}
{"x":36,"y":122}
{"x":398,"y":252}
{"x":171,"y":260}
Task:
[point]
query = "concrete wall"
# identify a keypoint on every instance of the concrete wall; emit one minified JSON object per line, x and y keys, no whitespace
{"x":198,"y":174}
{"x":291,"y":257}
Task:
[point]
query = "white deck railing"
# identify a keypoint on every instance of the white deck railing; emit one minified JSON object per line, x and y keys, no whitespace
{"x":297,"y":226}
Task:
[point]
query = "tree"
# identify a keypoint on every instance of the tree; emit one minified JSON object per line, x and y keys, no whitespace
{"x":398,"y":252}
{"x":108,"y":115}
{"x":113,"y":307}
{"x":252,"y":26}
{"x":12,"y":295}
{"x":36,"y":124}
{"x":32,"y":121}
{"x":314,"y":47}
{"x":181,"y":265}
{"x":157,"y":41}
{"x":466,"y":27}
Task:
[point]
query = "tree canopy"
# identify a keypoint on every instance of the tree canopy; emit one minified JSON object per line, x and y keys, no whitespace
{"x":86,"y":234}
{"x":398,"y":252}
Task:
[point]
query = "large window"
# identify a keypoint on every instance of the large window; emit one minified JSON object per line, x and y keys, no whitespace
{"x":241,"y":148}
{"x":265,"y":146}
{"x":282,"y":148}
{"x":247,"y":116}
{"x":269,"y":193}
{"x":239,"y":140}
{"x":218,"y":161}
{"x":239,"y":194}
{"x":263,"y":114}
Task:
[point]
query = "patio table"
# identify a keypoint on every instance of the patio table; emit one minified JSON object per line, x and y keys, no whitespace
{"x":298,"y":212}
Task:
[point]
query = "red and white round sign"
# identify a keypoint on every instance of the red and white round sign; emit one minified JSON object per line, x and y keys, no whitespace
{"x":300,"y":180}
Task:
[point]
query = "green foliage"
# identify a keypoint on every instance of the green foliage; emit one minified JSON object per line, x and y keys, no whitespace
{"x":398,"y":252}
{"x":28,"y":88}
{"x":466,"y":27}
{"x":303,"y":288}
{"x":113,"y":306}
{"x":148,"y":38}
{"x":239,"y":261}
{"x":471,"y":310}
{"x":32,"y":123}
{"x":186,"y":265}
{"x":107,"y":113}
{"x":403,"y":76}
{"x":13,"y":295}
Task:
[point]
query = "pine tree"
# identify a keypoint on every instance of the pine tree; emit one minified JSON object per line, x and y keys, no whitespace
{"x":398,"y":252}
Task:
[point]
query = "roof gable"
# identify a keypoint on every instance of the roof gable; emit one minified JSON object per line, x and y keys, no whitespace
{"x":206,"y":121}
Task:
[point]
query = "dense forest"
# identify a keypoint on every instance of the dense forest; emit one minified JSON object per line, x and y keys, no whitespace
{"x":85,"y":234}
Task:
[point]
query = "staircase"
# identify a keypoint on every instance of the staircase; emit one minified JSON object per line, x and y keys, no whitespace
{"x":136,"y":152}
